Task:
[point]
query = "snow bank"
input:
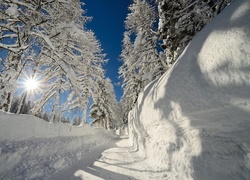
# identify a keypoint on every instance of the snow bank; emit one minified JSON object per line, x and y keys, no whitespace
{"x":31,"y":148}
{"x":21,"y":127}
{"x":194,"y":122}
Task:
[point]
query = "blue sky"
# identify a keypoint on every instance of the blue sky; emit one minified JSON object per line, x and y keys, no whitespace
{"x":108,"y":25}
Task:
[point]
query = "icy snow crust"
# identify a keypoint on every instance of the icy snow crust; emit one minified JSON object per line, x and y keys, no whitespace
{"x":31,"y":148}
{"x":194,"y":122}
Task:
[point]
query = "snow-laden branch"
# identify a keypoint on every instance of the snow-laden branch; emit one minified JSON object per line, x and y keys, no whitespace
{"x":45,"y":38}
{"x":14,"y":48}
{"x":8,"y":27}
{"x":20,"y":3}
{"x":8,"y":36}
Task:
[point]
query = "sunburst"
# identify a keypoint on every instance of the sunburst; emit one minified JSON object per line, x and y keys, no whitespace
{"x":31,"y":84}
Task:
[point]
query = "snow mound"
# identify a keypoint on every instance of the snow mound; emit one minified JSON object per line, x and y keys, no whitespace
{"x":193,"y":123}
{"x":31,"y":148}
{"x":21,"y":127}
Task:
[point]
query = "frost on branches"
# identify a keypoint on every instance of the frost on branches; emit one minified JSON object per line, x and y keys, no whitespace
{"x":105,"y":110}
{"x":49,"y":39}
{"x":180,"y":20}
{"x":141,"y":61}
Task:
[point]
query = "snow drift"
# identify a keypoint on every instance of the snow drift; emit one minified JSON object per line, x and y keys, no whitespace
{"x":31,"y":148}
{"x":21,"y":127}
{"x":194,"y":122}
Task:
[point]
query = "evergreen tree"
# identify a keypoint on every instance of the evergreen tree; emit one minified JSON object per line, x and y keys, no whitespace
{"x":45,"y":116}
{"x":105,"y":110}
{"x":180,"y":20}
{"x":76,"y":121}
{"x":141,"y":61}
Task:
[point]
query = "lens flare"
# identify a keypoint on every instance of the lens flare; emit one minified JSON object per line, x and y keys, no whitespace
{"x":31,"y":84}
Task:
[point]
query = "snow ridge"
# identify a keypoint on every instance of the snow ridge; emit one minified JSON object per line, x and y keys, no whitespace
{"x":193,"y":123}
{"x":31,"y":148}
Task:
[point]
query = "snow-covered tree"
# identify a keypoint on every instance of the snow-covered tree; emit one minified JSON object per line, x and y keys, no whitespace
{"x":113,"y":106}
{"x":12,"y":69}
{"x":15,"y":104}
{"x":76,"y":53}
{"x":58,"y":38}
{"x":105,"y":110}
{"x":18,"y":22}
{"x":98,"y":109}
{"x":45,"y":116}
{"x":65,"y":120}
{"x":76,"y":121}
{"x":140,"y":24}
{"x":141,"y":60}
{"x":128,"y":74}
{"x":14,"y":24}
{"x":66,"y":55}
{"x":180,"y":20}
{"x":89,"y":71}
{"x":55,"y":84}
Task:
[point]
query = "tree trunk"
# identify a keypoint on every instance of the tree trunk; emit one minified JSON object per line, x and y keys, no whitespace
{"x":55,"y":106}
{"x":7,"y":105}
{"x":22,"y":103}
{"x":84,"y":114}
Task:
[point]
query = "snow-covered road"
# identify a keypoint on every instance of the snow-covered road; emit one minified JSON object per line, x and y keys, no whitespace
{"x":71,"y":172}
{"x":31,"y":148}
{"x":48,"y":158}
{"x":121,"y":162}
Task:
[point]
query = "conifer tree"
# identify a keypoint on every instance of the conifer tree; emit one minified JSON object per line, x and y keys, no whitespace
{"x":180,"y":20}
{"x":141,"y":60}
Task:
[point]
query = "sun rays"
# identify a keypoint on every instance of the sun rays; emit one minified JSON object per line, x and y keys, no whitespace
{"x":31,"y":83}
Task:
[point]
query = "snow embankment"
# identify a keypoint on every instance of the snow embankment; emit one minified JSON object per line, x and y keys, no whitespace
{"x":194,"y":122}
{"x":31,"y":148}
{"x":21,"y":127}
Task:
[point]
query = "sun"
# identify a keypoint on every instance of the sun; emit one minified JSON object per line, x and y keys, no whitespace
{"x":31,"y":84}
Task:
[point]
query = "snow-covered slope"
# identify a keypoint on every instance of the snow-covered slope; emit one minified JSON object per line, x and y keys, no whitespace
{"x":194,"y":122}
{"x":31,"y":148}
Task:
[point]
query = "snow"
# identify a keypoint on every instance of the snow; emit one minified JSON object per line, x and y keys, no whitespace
{"x":120,"y":163}
{"x":13,"y":10}
{"x":31,"y":148}
{"x":192,"y":123}
{"x":45,"y":38}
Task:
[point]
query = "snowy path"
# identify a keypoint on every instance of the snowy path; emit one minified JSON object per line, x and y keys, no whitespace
{"x":44,"y":157}
{"x":31,"y":148}
{"x":221,"y":145}
{"x":121,"y":162}
{"x":94,"y":154}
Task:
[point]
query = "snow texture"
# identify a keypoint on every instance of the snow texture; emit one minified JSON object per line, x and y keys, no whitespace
{"x":31,"y":148}
{"x":193,"y":123}
{"x":13,"y":10}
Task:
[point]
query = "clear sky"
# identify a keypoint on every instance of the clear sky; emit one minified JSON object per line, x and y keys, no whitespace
{"x":108,"y":25}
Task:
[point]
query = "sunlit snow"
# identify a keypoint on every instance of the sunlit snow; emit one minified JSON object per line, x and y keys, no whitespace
{"x":192,"y":123}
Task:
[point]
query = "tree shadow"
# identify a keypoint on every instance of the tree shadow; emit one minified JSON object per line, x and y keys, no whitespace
{"x":95,"y":172}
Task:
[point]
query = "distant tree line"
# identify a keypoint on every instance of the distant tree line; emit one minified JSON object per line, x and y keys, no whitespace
{"x":48,"y":39}
{"x":149,"y":25}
